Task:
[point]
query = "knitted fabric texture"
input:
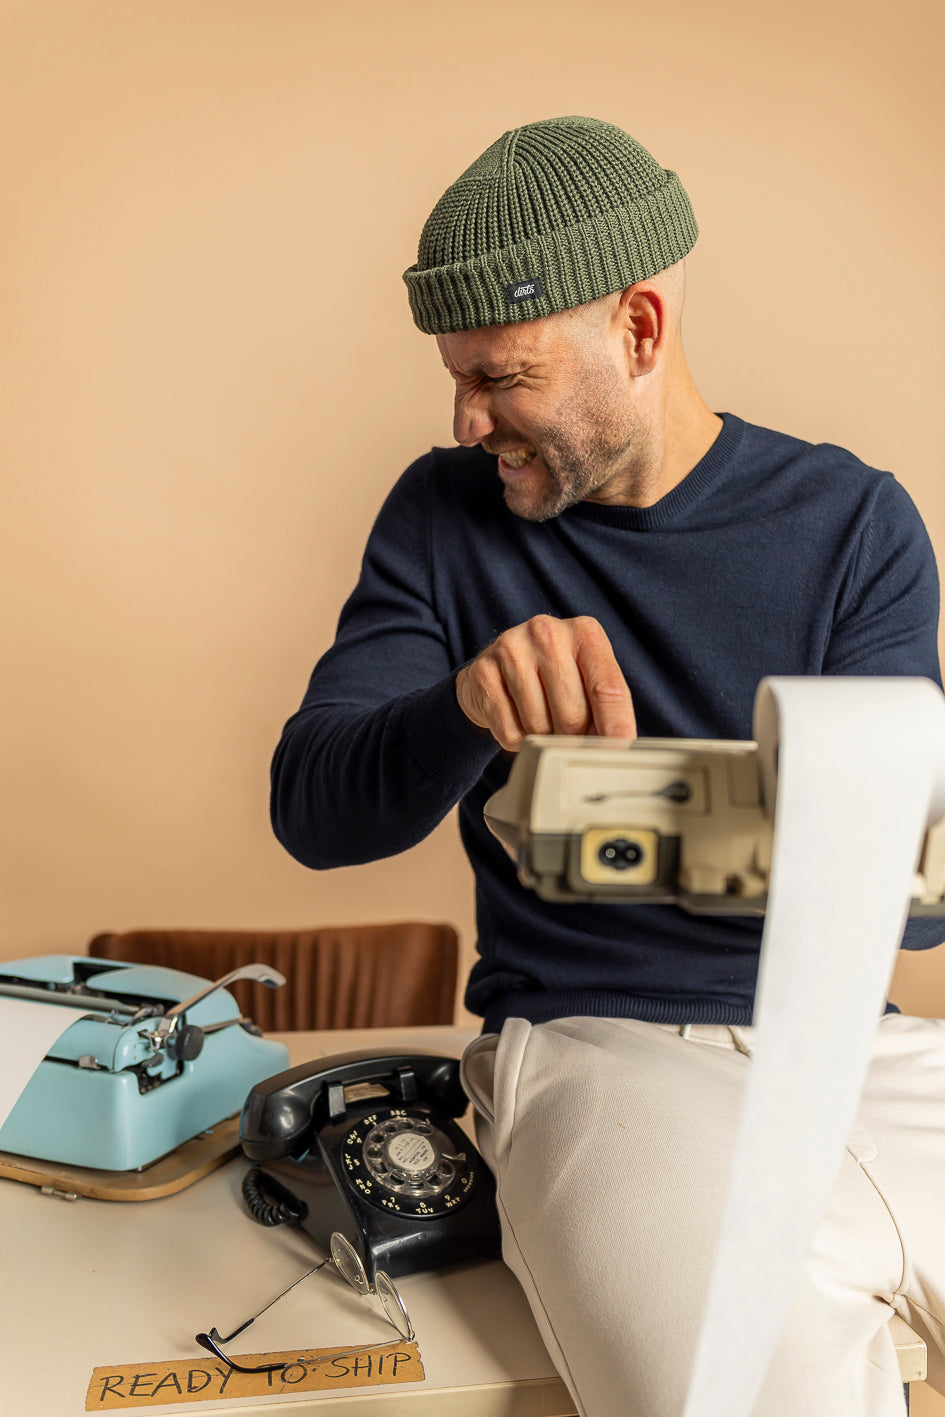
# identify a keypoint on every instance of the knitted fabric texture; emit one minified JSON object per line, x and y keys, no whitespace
{"x":552,"y":215}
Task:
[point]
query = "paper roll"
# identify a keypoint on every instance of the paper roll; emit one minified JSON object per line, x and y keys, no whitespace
{"x":28,"y":1031}
{"x":860,"y":773}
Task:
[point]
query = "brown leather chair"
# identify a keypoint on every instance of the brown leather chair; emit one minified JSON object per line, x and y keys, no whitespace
{"x":346,"y":976}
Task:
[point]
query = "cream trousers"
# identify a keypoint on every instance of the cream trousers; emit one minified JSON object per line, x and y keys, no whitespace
{"x":609,"y":1140}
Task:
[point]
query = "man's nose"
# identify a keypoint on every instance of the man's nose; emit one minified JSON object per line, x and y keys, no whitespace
{"x":473,"y":418}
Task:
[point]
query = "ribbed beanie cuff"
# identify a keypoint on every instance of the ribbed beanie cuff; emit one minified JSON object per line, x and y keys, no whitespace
{"x":552,"y":215}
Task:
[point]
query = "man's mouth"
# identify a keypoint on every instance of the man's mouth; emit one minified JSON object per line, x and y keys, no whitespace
{"x":514,"y":459}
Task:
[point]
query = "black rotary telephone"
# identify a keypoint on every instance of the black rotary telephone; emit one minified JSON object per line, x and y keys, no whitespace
{"x":367,"y":1145}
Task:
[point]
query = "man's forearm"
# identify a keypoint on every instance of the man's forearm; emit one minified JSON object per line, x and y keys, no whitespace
{"x":353,"y":784}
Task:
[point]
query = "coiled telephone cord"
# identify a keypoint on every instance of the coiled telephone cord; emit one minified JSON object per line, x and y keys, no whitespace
{"x":281,"y":1209}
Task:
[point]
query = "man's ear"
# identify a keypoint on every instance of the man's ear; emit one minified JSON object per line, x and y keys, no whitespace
{"x":643,"y":316}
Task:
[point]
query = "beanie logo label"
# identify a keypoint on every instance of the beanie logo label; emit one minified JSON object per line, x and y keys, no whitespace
{"x":525,"y":290}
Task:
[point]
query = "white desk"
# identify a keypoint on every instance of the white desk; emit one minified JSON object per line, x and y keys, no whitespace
{"x":90,"y":1284}
{"x":93,"y":1283}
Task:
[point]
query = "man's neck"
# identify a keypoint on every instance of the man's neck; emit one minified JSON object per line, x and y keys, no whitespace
{"x":680,"y":430}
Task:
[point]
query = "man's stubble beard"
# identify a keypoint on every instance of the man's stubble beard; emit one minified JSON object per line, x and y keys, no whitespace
{"x":570,"y":478}
{"x":581,"y":464}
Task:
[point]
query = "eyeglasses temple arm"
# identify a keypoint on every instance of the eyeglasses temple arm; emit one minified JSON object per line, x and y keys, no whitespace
{"x":228,"y":1337}
{"x":211,"y":1341}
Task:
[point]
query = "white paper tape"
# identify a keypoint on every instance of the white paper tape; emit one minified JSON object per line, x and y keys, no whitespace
{"x":860,"y":774}
{"x":28,"y":1031}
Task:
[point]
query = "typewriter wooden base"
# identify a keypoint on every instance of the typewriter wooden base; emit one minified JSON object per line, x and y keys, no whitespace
{"x":174,"y":1172}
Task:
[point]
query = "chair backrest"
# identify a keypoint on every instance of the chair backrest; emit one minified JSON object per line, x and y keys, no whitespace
{"x":346,"y":976}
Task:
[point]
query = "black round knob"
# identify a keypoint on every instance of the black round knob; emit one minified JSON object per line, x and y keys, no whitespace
{"x":188,"y":1042}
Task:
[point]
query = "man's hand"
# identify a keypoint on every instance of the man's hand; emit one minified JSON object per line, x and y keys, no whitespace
{"x":547,"y":676}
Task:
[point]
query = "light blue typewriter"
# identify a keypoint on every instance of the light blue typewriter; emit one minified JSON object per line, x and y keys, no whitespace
{"x":158,"y":1057}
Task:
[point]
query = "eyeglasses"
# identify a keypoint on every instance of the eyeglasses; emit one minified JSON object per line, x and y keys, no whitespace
{"x":346,"y":1260}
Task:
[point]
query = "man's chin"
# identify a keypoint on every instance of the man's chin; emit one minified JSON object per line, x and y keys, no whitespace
{"x":535,"y":506}
{"x":533,"y":491}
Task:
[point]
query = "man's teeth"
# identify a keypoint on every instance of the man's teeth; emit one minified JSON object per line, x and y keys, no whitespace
{"x":518,"y":457}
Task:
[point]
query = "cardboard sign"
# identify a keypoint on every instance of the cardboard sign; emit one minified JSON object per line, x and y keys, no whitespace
{"x":128,"y":1385}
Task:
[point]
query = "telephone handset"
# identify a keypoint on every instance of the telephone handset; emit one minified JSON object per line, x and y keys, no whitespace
{"x":367,"y":1144}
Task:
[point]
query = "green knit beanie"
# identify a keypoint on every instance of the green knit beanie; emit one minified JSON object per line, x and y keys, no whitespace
{"x":552,"y":215}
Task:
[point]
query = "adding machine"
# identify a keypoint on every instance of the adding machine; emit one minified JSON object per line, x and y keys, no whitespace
{"x":687,"y":822}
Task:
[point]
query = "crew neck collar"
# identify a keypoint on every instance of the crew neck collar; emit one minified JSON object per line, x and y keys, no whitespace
{"x":662,"y":513}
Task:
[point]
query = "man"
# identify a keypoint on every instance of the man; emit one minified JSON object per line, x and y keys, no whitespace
{"x":604,"y":553}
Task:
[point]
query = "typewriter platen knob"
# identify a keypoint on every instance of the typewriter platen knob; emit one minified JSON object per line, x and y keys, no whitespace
{"x":186,"y":1043}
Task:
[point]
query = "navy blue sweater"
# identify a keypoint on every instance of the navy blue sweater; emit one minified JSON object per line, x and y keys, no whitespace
{"x":773,"y":556}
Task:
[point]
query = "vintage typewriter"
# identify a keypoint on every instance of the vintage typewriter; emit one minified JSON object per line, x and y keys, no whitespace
{"x":157,"y":1057}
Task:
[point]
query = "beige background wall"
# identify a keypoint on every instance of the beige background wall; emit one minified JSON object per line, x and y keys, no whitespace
{"x":210,"y":377}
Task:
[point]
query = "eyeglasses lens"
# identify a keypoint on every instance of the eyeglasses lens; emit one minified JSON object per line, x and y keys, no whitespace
{"x":348,"y":1263}
{"x":392,"y":1303}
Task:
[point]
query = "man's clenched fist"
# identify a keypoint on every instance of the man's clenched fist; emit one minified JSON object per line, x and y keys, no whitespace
{"x":547,"y":676}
